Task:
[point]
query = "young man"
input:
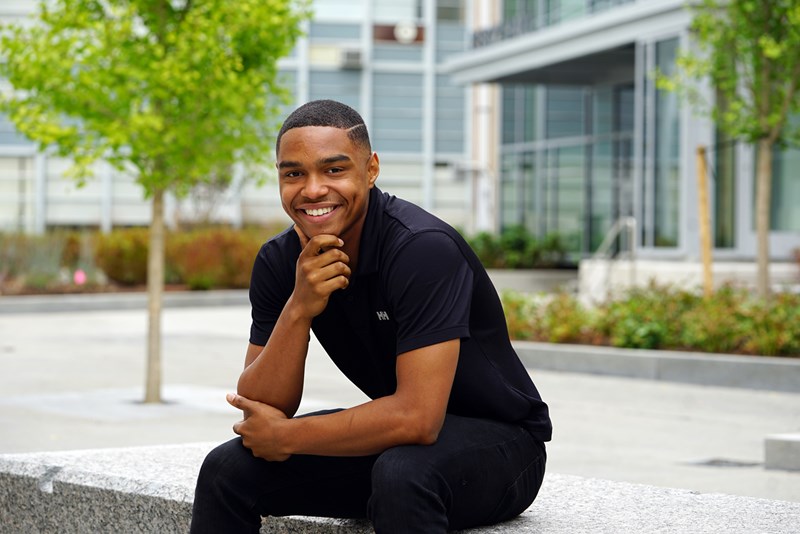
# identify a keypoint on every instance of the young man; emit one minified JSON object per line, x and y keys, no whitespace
{"x":453,"y":436}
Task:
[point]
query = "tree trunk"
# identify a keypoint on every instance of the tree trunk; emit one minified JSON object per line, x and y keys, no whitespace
{"x":763,"y":203}
{"x":155,"y":290}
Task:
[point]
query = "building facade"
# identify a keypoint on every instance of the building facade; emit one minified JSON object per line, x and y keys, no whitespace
{"x":587,"y":139}
{"x":383,"y":57}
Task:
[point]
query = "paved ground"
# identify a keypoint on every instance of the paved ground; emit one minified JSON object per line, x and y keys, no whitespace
{"x":74,"y":380}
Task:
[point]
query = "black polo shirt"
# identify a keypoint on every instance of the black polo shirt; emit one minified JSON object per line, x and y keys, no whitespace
{"x":417,"y":283}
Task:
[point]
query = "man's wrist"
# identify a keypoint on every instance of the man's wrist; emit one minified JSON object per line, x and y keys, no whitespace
{"x":283,"y":436}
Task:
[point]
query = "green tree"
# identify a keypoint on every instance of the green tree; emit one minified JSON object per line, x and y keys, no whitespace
{"x":172,"y":90}
{"x":750,"y":51}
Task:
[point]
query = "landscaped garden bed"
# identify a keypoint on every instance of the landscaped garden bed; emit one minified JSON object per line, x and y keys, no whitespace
{"x":731,"y":321}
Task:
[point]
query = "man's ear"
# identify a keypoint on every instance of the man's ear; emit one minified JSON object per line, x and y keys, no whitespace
{"x":373,"y":169}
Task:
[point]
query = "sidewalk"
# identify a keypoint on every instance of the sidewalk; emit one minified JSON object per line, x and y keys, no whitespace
{"x":74,"y":381}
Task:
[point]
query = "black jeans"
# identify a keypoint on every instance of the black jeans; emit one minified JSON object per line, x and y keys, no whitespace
{"x":479,"y":472}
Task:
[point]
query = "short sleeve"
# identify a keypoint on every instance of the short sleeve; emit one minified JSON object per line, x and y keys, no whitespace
{"x":271,"y":285}
{"x":429,"y":284}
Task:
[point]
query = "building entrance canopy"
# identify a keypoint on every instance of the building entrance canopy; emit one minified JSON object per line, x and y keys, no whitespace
{"x":584,"y":51}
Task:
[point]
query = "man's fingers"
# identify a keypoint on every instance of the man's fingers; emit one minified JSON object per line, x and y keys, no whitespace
{"x":237,"y":401}
{"x":319,"y":244}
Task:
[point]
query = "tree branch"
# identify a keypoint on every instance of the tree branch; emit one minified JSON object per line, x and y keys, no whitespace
{"x":788,"y":98}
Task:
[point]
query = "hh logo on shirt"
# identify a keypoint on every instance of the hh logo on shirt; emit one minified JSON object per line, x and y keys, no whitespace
{"x":382,"y":316}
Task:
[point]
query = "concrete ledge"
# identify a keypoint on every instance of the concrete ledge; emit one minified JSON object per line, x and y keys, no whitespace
{"x":754,"y":372}
{"x":120,"y":301}
{"x":782,"y":451}
{"x":150,"y":489}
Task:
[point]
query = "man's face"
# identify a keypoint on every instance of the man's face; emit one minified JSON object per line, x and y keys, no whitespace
{"x":325,"y":181}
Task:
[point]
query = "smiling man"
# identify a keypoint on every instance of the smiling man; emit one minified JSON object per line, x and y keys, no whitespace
{"x":454,"y":434}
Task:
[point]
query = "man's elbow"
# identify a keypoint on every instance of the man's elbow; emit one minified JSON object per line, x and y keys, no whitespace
{"x":425,"y":431}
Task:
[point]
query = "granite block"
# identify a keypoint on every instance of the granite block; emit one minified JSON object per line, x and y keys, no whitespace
{"x":150,"y":489}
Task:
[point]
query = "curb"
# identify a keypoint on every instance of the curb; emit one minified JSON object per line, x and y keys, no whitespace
{"x":723,"y":370}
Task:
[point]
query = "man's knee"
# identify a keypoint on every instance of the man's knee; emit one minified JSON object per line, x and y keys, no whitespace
{"x":403,"y":474}
{"x":224,"y":465}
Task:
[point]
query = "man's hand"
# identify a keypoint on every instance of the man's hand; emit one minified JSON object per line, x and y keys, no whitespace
{"x":258,"y":427}
{"x":322,"y":268}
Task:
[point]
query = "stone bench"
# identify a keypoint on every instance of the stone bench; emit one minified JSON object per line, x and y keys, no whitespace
{"x":150,"y":489}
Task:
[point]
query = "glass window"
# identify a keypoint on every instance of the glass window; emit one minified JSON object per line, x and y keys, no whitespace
{"x":338,"y":9}
{"x":514,"y":9}
{"x":398,"y":10}
{"x":519,"y":113}
{"x":566,"y":195}
{"x":530,"y":193}
{"x":565,"y":116}
{"x":449,"y":115}
{"x":724,"y":187}
{"x":397,"y":112}
{"x":334,"y":31}
{"x":561,"y":10}
{"x":450,"y":10}
{"x":667,"y":151}
{"x":341,"y":85}
{"x":512,"y":212}
{"x":784,"y":214}
{"x":509,"y":114}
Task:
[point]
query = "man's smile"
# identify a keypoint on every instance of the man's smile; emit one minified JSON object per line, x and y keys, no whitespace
{"x":317,"y":212}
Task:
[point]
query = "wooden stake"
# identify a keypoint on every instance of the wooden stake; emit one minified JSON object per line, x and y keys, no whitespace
{"x":705,"y":221}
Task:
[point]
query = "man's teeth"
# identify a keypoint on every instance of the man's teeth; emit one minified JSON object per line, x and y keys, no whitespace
{"x":319,"y":211}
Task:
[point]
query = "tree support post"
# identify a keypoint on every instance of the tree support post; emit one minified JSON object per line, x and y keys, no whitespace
{"x":705,"y":221}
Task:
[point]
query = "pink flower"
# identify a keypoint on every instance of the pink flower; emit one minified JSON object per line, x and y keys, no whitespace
{"x":80,"y":277}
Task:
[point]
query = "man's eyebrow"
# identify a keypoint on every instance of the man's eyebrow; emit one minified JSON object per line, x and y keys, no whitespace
{"x":323,"y":161}
{"x":334,"y":159}
{"x":288,"y":164}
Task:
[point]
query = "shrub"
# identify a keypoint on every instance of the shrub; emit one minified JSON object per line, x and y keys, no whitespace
{"x":772,"y":327}
{"x":215,"y":257}
{"x":487,"y":247}
{"x":12,"y":254}
{"x":564,"y":320}
{"x":520,"y":312}
{"x":713,"y":325}
{"x":517,"y":248}
{"x":731,"y":321}
{"x":122,"y":255}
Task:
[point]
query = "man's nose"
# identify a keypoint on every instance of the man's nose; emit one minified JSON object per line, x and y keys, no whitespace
{"x":315,"y":186}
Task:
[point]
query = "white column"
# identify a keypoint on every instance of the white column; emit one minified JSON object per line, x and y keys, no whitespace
{"x":429,"y":106}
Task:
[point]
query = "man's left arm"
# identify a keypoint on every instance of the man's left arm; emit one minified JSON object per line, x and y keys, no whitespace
{"x":414,"y":414}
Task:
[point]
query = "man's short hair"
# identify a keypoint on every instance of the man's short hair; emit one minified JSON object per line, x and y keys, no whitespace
{"x":327,"y":113}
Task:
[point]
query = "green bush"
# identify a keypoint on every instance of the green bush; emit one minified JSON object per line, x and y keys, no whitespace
{"x":517,"y":248}
{"x":564,"y":320}
{"x":646,"y":318}
{"x":521,"y":312}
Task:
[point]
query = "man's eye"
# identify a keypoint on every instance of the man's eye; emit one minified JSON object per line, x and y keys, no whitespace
{"x":334,"y":170}
{"x":291,"y":174}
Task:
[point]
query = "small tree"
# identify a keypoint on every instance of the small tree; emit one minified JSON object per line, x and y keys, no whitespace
{"x":173,"y":90}
{"x":750,"y":51}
